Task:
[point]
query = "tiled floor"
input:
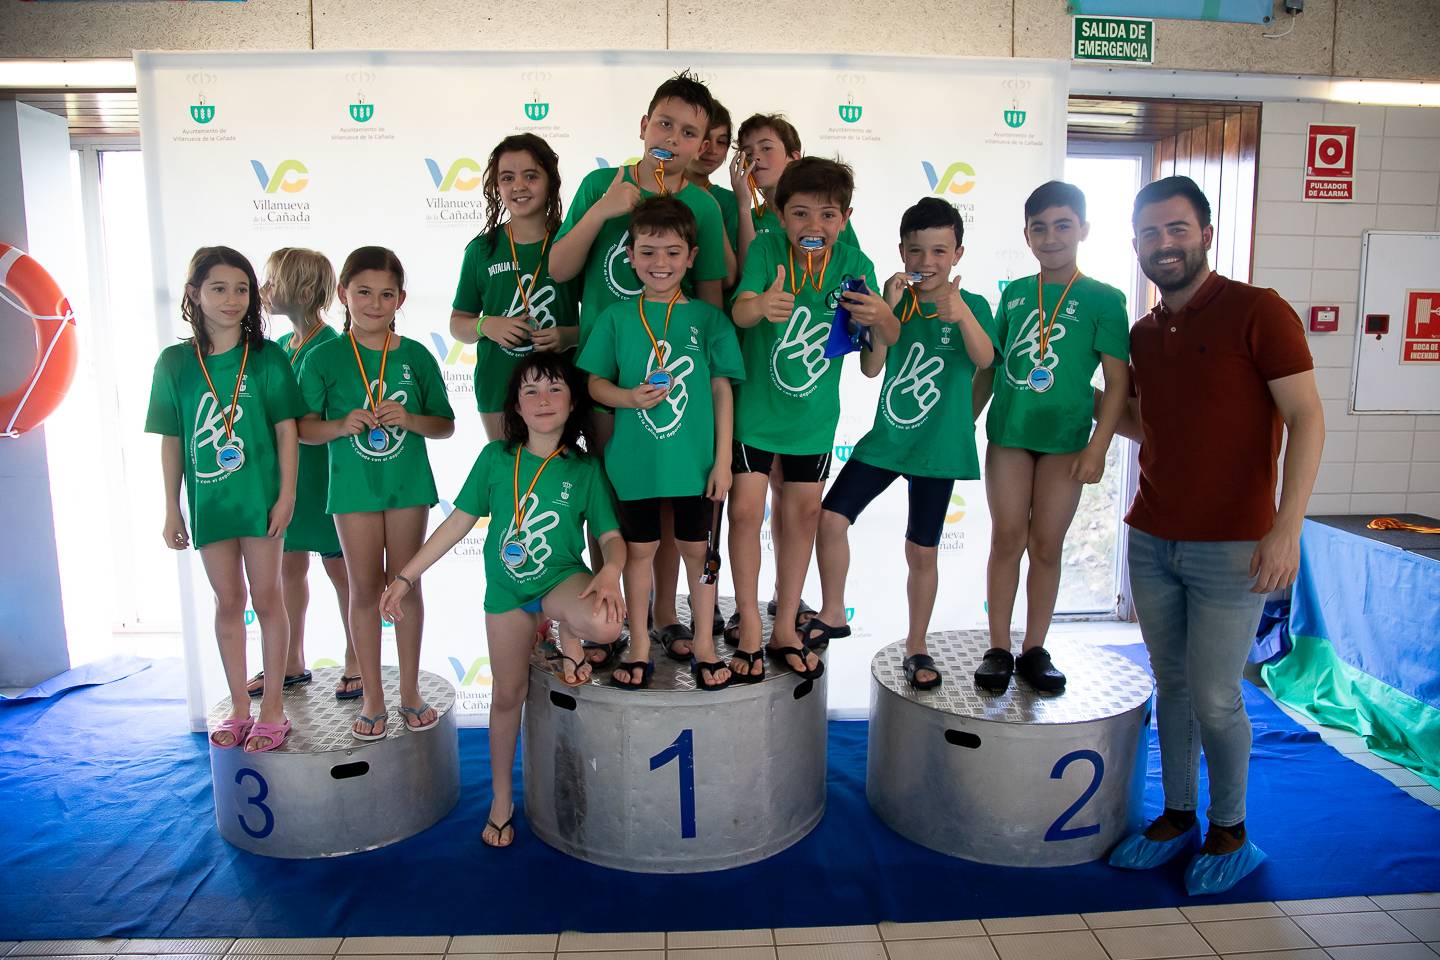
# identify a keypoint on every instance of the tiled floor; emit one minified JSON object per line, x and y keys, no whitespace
{"x":1403,"y":927}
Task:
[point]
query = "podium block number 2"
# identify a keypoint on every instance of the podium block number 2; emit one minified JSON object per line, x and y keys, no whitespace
{"x":683,"y":751}
{"x":1058,"y":830}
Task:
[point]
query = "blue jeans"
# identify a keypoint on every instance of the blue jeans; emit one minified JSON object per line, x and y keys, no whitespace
{"x":1198,"y":618}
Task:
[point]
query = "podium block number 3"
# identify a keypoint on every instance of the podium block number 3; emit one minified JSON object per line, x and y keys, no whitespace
{"x":1058,"y":830}
{"x":262,"y":790}
{"x":683,"y":751}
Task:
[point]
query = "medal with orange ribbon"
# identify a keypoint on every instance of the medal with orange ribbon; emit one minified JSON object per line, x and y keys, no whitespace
{"x":295,"y":348}
{"x":526,"y":289}
{"x":660,"y":378}
{"x":817,"y":283}
{"x":1042,"y":378}
{"x":378,"y":438}
{"x":228,"y":456}
{"x":513,"y":553}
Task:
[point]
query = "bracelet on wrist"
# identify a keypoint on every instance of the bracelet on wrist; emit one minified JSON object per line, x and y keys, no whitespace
{"x":407,"y":581}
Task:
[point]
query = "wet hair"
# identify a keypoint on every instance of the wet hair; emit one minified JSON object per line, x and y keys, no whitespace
{"x":1055,"y":193}
{"x":371,"y":258}
{"x":932,"y":212}
{"x":1163,"y":189}
{"x":831,"y":179}
{"x":252,"y":325}
{"x":687,"y":88}
{"x":720,"y":117}
{"x":659,"y":214}
{"x":552,"y":366}
{"x":302,"y":280}
{"x":784,"y":130}
{"x":547,"y":160}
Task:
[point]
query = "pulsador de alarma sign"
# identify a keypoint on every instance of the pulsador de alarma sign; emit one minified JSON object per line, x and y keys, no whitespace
{"x":1329,"y":163}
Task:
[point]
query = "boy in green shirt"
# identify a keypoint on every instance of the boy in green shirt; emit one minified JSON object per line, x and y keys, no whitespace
{"x":924,"y":425}
{"x":788,"y":407}
{"x":1051,"y":332}
{"x":665,"y":364}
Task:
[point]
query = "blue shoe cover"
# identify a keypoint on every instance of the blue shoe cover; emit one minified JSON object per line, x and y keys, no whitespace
{"x":1208,"y":873}
{"x":1139,"y":852}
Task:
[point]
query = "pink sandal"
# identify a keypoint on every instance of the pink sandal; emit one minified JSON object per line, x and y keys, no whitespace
{"x":237,"y":727}
{"x":275,"y":732}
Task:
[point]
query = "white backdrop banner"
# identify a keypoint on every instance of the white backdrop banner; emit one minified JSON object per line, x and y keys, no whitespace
{"x":335,"y":150}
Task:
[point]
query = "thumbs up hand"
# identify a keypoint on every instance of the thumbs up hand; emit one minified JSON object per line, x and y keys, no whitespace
{"x":777,"y":303}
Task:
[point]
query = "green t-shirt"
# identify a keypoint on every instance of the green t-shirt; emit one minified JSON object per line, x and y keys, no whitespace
{"x":729,"y":214}
{"x":668,"y":450}
{"x":923,"y":423}
{"x":770,"y":223}
{"x":487,"y":287}
{"x":311,"y":529}
{"x":363,"y":479}
{"x":1091,"y":321}
{"x":225,"y":504}
{"x":570,"y":493}
{"x":608,"y":276}
{"x":790,"y":401}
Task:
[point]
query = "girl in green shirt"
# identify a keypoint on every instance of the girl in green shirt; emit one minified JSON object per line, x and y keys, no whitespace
{"x":300,"y":284}
{"x":506,"y":301}
{"x":225,"y":403}
{"x":374,"y":398}
{"x":541,"y":488}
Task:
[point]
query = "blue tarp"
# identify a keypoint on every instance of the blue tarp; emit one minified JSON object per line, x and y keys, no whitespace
{"x":1239,"y":11}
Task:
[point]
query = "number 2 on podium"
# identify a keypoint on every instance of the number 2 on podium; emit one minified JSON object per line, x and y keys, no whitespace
{"x":683,"y":750}
{"x":1058,"y":830}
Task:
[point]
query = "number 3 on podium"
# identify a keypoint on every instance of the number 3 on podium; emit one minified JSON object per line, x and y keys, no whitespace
{"x":683,"y":750}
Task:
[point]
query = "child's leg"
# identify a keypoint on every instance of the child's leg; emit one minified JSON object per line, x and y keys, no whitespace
{"x":747,"y":513}
{"x":639,"y":558}
{"x":856,"y":487}
{"x":702,"y":608}
{"x":295,"y":588}
{"x":929,"y":499}
{"x":585,"y":618}
{"x":362,"y":537}
{"x":335,"y":570}
{"x":800,"y":502}
{"x":404,"y":532}
{"x":262,"y":572}
{"x":603,"y":425}
{"x":1052,"y":508}
{"x":224,"y":570}
{"x":493,"y":424}
{"x":1009,"y":478}
{"x":777,"y":523}
{"x":667,"y":571}
{"x":509,"y":636}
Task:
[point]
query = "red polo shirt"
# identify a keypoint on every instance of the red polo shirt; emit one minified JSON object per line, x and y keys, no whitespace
{"x":1211,"y":431}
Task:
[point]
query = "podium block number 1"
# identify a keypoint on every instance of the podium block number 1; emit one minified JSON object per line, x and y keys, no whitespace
{"x":682,"y":750}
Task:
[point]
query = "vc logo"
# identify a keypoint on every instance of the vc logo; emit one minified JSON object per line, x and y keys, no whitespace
{"x":447,"y":508}
{"x":454,"y":178}
{"x":603,"y":164}
{"x":958,"y":178}
{"x":290,"y":176}
{"x":457,"y":352}
{"x":472,"y":676}
{"x":957,"y":509}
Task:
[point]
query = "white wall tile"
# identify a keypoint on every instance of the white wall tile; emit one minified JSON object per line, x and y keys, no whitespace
{"x":1327,"y":503}
{"x":1381,"y":478}
{"x":1279,"y":183}
{"x":1282,"y":149}
{"x":1410,"y":153}
{"x":1339,"y":446}
{"x":1335,"y":478}
{"x":1368,"y":153}
{"x":1337,"y":253}
{"x":1427,"y":421}
{"x":1377,"y":503}
{"x":1280,"y":251}
{"x":1281,"y":117}
{"x":1332,"y":349}
{"x":1427,"y":504}
{"x":1367,"y":186}
{"x":1331,"y":286}
{"x":1337,"y":414}
{"x":1333,"y":382}
{"x":1427,"y":446}
{"x":1387,"y":421}
{"x":1368,"y":121}
{"x":1394,"y":216}
{"x":1424,"y":477}
{"x":1343,"y":219}
{"x":1375,"y":446}
{"x":1412,"y":122}
{"x":1289,"y":217}
{"x":1293,"y":285}
{"x":1404,"y":186}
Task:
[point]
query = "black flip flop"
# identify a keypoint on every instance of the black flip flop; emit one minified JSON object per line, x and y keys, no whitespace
{"x":672,"y":634}
{"x":779,"y":655}
{"x":817,"y":634}
{"x":699,"y":667}
{"x":500,"y":829}
{"x":731,"y":633}
{"x":350,"y":694}
{"x":646,"y":668}
{"x":921,"y":661}
{"x":612,"y":650}
{"x":291,"y":680}
{"x":751,"y":659}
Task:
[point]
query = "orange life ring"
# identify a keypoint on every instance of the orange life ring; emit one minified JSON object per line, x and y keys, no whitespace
{"x":58,"y":347}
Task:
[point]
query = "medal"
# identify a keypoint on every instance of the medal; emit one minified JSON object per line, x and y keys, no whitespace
{"x":525,"y":290}
{"x":915,"y":276}
{"x":1042,"y":378}
{"x":817,"y":283}
{"x":512,"y":552}
{"x":228,"y":455}
{"x":377,"y":438}
{"x":913,"y":308}
{"x":659,"y":378}
{"x":811,"y":243}
{"x":660,"y":155}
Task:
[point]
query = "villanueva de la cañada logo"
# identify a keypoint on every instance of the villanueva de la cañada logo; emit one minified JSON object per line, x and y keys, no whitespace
{"x":201,"y":112}
{"x":360,"y":110}
{"x":854,"y":123}
{"x":1013,"y":133}
{"x":952,"y":537}
{"x":455,"y":184}
{"x":457,"y":362}
{"x":537,"y":107}
{"x":290,"y":177}
{"x":958,"y":178}
{"x":357,"y":115}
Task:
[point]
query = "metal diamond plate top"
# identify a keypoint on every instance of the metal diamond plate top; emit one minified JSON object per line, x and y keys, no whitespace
{"x":1099,"y":684}
{"x":670,"y":675}
{"x":320,"y":723}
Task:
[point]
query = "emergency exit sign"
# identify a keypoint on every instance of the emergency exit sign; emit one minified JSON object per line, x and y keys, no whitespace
{"x":1123,"y":39}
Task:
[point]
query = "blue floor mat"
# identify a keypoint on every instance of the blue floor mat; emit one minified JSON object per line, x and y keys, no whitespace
{"x":107,"y":829}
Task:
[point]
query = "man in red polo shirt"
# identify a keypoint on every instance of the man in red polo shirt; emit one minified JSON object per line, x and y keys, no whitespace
{"x":1220,"y":370}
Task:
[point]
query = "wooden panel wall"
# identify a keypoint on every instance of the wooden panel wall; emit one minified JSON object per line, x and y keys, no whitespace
{"x":1220,"y":155}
